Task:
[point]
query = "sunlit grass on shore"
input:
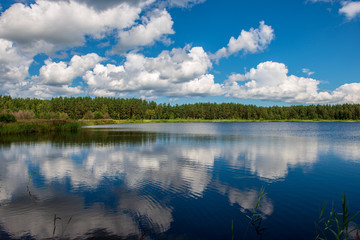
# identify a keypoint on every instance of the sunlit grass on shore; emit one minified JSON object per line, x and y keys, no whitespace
{"x":190,"y":120}
{"x":30,"y":126}
{"x":39,"y":126}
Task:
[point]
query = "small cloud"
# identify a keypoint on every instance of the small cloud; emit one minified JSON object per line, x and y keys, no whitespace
{"x":235,"y":77}
{"x":350,"y":9}
{"x":253,"y":41}
{"x":149,"y":98}
{"x":315,"y":1}
{"x":307,"y":71}
{"x":180,"y":3}
{"x":104,"y":44}
{"x":173,"y":99}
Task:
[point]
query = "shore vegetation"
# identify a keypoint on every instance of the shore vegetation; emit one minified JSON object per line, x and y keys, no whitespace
{"x":25,"y":115}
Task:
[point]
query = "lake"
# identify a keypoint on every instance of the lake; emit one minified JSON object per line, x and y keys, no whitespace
{"x":178,"y":180}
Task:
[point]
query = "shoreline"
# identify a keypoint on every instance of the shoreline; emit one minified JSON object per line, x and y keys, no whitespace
{"x":112,"y":121}
{"x":54,"y":126}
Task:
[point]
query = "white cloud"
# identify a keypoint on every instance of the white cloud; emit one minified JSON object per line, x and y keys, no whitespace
{"x":315,"y":1}
{"x":60,"y":73}
{"x":253,"y":41}
{"x":350,"y":9}
{"x":270,"y":81}
{"x":181,"y":72}
{"x":202,"y":86}
{"x":235,"y":77}
{"x":180,"y":65}
{"x":105,"y":4}
{"x":13,"y":65}
{"x":55,"y":79}
{"x":58,"y":24}
{"x":347,"y":93}
{"x":152,"y":29}
{"x":47,"y":26}
{"x":41,"y":91}
{"x":307,"y":71}
{"x":183,"y":3}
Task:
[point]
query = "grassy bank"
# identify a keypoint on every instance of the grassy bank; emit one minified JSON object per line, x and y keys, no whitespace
{"x":39,"y":126}
{"x":189,"y":120}
{"x":54,"y":126}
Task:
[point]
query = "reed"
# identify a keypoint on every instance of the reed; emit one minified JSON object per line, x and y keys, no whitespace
{"x":30,"y":127}
{"x":63,"y":229}
{"x":337,"y":225}
{"x":256,"y":217}
{"x":28,"y":186}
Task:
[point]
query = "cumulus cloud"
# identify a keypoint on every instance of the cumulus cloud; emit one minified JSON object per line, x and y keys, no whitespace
{"x":253,"y":41}
{"x":152,"y":29}
{"x":347,"y":93}
{"x":270,"y":81}
{"x":14,"y":67}
{"x":350,"y":9}
{"x":60,"y":73}
{"x":180,"y":72}
{"x":55,"y":78}
{"x":47,"y":26}
{"x":13,"y":64}
{"x":62,"y":23}
{"x":33,"y":89}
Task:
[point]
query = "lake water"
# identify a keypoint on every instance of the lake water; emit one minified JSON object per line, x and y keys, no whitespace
{"x":177,"y":180}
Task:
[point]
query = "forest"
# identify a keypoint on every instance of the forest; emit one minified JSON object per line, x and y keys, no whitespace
{"x":136,"y":109}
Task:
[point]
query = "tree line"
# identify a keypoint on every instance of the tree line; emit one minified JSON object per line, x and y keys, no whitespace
{"x":120,"y":108}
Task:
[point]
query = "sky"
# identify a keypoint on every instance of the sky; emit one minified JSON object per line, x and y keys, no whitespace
{"x":258,"y":52}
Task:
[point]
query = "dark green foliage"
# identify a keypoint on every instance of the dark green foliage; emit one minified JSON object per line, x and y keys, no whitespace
{"x":7,"y":118}
{"x":98,"y":115}
{"x":57,"y":126}
{"x":119,"y":108}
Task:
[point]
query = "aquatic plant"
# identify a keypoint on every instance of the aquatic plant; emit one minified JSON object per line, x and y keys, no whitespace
{"x":63,"y":229}
{"x":256,"y":217}
{"x":28,"y":186}
{"x":337,"y":225}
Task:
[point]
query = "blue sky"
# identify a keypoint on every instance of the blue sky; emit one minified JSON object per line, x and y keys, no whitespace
{"x":182,"y":51}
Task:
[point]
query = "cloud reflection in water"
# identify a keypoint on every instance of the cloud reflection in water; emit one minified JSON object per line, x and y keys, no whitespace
{"x":141,"y":175}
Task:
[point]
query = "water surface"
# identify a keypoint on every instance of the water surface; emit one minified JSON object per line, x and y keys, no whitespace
{"x":177,"y":180}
